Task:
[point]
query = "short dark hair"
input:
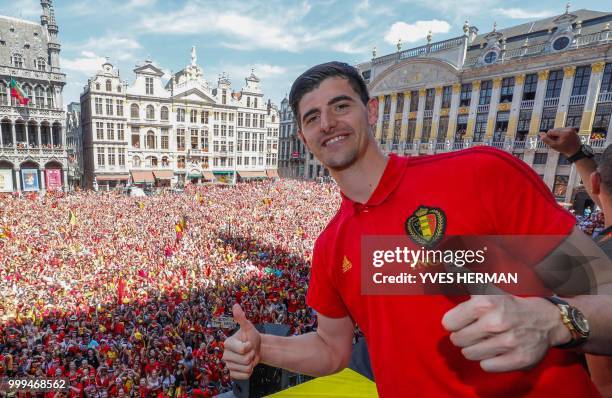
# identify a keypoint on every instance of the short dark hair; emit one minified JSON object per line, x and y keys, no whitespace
{"x":312,"y":78}
{"x":605,"y":169}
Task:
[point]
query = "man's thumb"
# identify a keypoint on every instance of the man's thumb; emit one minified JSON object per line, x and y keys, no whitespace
{"x":240,"y":318}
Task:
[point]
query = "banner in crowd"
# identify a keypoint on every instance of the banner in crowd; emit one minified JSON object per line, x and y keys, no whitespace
{"x":54,"y":179}
{"x":224,"y":322}
{"x":29,"y":178}
{"x":6,"y":180}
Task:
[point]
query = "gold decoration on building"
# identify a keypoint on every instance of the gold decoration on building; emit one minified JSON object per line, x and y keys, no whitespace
{"x":476,"y":85}
{"x":504,"y":106}
{"x":412,"y":115}
{"x":464,"y":110}
{"x":598,"y":67}
{"x":520,"y":79}
{"x":456,"y":88}
{"x":543,"y":74}
{"x":444,"y":112}
{"x":422,"y":92}
{"x":438,"y":90}
{"x":497,"y":82}
{"x":569,"y":71}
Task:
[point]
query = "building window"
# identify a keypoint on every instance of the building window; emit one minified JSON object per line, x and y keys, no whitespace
{"x":136,"y":162}
{"x":540,"y":158}
{"x":100,"y":156}
{"x":247,"y":120}
{"x":442,"y":128}
{"x":109,"y":86}
{"x":180,"y":139}
{"x":98,"y":106}
{"x":150,"y":112}
{"x":254,"y":102}
{"x":149,"y":85}
{"x":606,"y":81}
{"x":481,"y":127}
{"x":193,"y":116}
{"x":119,"y":107}
{"x":490,"y":57}
{"x":399,"y":104}
{"x":430,"y":96}
{"x":581,"y":80}
{"x":194,"y":139}
{"x":262,"y":121}
{"x":548,"y":119}
{"x":120,"y":132}
{"x":248,"y":102}
{"x":561,"y":43}
{"x":501,"y":126}
{"x":387,"y":104}
{"x":560,"y":187}
{"x":165,"y":140}
{"x":486,"y":89}
{"x":164,"y":113}
{"x":135,"y":137}
{"x":204,"y":117}
{"x":574,"y":116}
{"x":411,"y":130}
{"x":555,"y":81}
{"x":507,"y":90}
{"x":180,"y":115}
{"x":111,"y":156}
{"x":17,"y":61}
{"x":110,"y":131}
{"x":41,"y":64}
{"x":601,"y":121}
{"x":50,"y":97}
{"x":465,"y":97}
{"x":224,"y":96}
{"x":39,"y":94}
{"x":426,"y":130}
{"x":150,"y":140}
{"x":530,"y":87}
{"x":121,"y":157}
{"x":134,"y":111}
{"x":447,"y":95}
{"x":414,"y":101}
{"x":99,"y":131}
{"x":3,"y":93}
{"x":397,"y":127}
{"x":109,"y":106}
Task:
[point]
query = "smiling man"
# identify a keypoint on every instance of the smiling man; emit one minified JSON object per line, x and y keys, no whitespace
{"x":431,"y":345}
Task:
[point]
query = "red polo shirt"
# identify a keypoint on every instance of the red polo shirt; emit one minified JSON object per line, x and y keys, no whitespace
{"x":482,"y":191}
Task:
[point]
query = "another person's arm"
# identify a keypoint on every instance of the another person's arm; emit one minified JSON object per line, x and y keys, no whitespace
{"x":567,"y":142}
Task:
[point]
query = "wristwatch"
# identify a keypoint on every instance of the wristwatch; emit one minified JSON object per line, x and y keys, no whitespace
{"x":585,"y":151}
{"x":574,"y":320}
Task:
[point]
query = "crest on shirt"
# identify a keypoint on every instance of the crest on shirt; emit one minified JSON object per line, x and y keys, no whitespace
{"x":426,"y":226}
{"x":346,"y":264}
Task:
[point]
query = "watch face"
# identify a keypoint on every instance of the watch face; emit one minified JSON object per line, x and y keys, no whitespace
{"x":587,"y":150}
{"x":579,"y":321}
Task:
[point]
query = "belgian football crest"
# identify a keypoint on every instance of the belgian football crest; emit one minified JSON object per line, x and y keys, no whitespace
{"x":426,"y":226}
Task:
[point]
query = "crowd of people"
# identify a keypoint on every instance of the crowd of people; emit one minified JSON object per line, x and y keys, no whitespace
{"x":132,"y":297}
{"x":591,"y":223}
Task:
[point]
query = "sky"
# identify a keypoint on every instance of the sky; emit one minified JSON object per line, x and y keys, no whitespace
{"x":278,"y":39}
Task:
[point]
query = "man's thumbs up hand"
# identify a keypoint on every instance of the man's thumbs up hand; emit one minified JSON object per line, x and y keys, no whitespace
{"x":242,"y":350}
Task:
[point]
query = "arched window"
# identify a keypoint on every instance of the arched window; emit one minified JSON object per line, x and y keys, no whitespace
{"x":254,"y":102}
{"x":28,"y":90}
{"x":150,"y":112}
{"x":119,"y":88}
{"x":39,"y":94}
{"x":248,"y":102}
{"x":97,"y":86}
{"x":109,"y":86}
{"x":164,"y":113}
{"x":134,"y":111}
{"x":136,"y":161}
{"x":165,"y":161}
{"x":50,"y":102}
{"x":17,"y":61}
{"x":150,"y":140}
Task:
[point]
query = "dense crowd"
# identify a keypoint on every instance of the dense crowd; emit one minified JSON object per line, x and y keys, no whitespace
{"x":591,"y":223}
{"x":126,"y":299}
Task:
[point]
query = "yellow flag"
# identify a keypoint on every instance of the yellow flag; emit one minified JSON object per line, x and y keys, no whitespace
{"x":72,"y":220}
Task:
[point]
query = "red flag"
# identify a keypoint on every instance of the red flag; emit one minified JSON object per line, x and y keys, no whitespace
{"x":120,"y":291}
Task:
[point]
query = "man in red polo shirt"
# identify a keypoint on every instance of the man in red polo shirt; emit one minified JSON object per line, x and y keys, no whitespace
{"x":431,"y":345}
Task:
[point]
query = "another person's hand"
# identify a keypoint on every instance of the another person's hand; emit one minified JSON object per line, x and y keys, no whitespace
{"x":505,"y":333}
{"x":564,"y":140}
{"x":242,"y":350}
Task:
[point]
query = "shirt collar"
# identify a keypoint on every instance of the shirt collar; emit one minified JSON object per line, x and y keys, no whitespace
{"x":392,"y":175}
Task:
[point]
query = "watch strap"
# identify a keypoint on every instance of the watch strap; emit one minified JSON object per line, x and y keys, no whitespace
{"x":581,"y":154}
{"x":577,"y":338}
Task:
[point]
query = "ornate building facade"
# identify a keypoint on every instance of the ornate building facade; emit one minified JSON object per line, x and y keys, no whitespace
{"x":32,"y":137}
{"x":500,"y":89}
{"x":186,"y":130}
